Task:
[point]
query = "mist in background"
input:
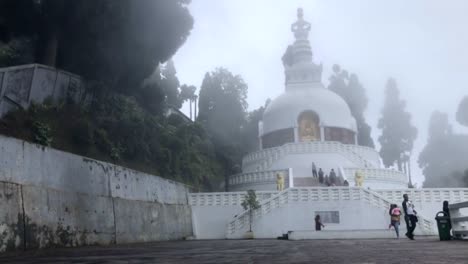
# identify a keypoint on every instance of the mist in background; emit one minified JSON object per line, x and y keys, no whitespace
{"x":422,"y":44}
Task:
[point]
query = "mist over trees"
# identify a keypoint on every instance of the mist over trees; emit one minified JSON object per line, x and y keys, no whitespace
{"x":398,"y":134}
{"x":118,"y":42}
{"x":444,"y":159}
{"x":351,"y":90}
{"x":462,"y":112}
{"x":123,"y":49}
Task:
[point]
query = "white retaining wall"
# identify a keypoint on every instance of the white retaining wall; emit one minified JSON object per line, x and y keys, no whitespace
{"x":54,"y":198}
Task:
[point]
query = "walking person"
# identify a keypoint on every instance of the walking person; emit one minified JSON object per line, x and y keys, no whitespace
{"x":318,"y":223}
{"x":410,"y":216}
{"x":332,"y":177}
{"x":314,"y":170}
{"x":320,"y":174}
{"x":395,"y":218}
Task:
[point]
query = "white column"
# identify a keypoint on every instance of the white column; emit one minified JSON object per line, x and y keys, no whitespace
{"x":355,"y":139}
{"x":322,"y":133}
{"x":296,"y":134}
{"x":291,"y":181}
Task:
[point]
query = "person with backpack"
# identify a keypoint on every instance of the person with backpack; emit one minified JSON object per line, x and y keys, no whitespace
{"x":395,"y":213}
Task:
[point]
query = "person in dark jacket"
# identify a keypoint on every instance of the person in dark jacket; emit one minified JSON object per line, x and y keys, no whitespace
{"x":320,"y":174}
{"x":410,"y":216}
{"x":314,"y":170}
{"x":318,"y":223}
{"x":445,"y":209}
{"x":332,"y":176}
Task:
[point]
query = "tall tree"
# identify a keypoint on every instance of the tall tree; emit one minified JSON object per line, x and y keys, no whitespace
{"x":462,"y":113}
{"x":398,"y":134}
{"x":119,"y":42}
{"x":351,"y":90}
{"x":222,"y":111}
{"x":223,"y":104}
{"x":443,"y":159}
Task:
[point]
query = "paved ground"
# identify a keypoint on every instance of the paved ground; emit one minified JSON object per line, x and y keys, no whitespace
{"x":258,"y":251}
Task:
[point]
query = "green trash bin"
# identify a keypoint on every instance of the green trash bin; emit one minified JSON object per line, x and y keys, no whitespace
{"x":443,"y":225}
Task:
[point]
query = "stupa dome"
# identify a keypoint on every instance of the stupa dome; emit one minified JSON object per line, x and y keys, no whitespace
{"x":284,"y":111}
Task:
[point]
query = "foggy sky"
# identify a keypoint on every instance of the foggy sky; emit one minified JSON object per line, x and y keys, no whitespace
{"x":421,"y":43}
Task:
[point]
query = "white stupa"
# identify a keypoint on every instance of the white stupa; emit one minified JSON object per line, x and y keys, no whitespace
{"x":309,"y":124}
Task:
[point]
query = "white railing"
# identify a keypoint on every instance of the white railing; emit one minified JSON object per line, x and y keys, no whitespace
{"x":366,"y":153}
{"x":224,"y":198}
{"x":293,"y":195}
{"x":438,"y":195}
{"x":458,"y":219}
{"x":376,"y":174}
{"x":265,"y":158}
{"x":258,"y":177}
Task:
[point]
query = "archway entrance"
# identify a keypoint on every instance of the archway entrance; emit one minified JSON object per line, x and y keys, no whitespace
{"x":309,"y":129}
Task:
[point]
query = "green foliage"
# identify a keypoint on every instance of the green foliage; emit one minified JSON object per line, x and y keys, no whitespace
{"x":462,"y":112}
{"x":15,"y":52}
{"x":351,"y":90}
{"x":398,"y":134}
{"x":119,"y":42}
{"x":223,"y":104}
{"x":443,"y":159}
{"x":250,"y":203}
{"x":42,"y":133}
{"x":222,"y":112}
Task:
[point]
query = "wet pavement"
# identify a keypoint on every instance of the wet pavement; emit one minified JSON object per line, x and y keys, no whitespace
{"x":427,"y":250}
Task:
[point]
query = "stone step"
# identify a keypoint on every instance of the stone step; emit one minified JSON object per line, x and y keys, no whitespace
{"x":347,"y":234}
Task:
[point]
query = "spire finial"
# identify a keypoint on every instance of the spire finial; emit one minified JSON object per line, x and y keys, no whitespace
{"x":301,"y":27}
{"x":300,"y":13}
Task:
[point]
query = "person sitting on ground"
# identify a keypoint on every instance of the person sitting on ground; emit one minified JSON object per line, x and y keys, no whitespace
{"x":318,"y":223}
{"x":395,"y":219}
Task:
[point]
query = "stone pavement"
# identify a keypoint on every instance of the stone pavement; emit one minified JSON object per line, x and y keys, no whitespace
{"x":427,"y":250}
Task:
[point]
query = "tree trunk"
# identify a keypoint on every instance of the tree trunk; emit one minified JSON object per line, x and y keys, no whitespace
{"x":51,"y":45}
{"x":250,"y":220}
{"x":195,"y":112}
{"x":190,"y":104}
{"x":399,"y":165}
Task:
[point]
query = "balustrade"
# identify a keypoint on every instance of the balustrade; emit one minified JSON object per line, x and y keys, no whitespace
{"x":293,"y":195}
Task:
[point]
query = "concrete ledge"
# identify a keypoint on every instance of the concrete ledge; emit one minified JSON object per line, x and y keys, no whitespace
{"x":343,"y":234}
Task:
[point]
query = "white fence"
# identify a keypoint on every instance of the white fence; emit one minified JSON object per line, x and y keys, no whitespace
{"x":376,"y":174}
{"x":258,"y":177}
{"x":224,"y":198}
{"x":429,"y":195}
{"x":295,"y":195}
{"x":263,"y":159}
{"x":459,"y":219}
